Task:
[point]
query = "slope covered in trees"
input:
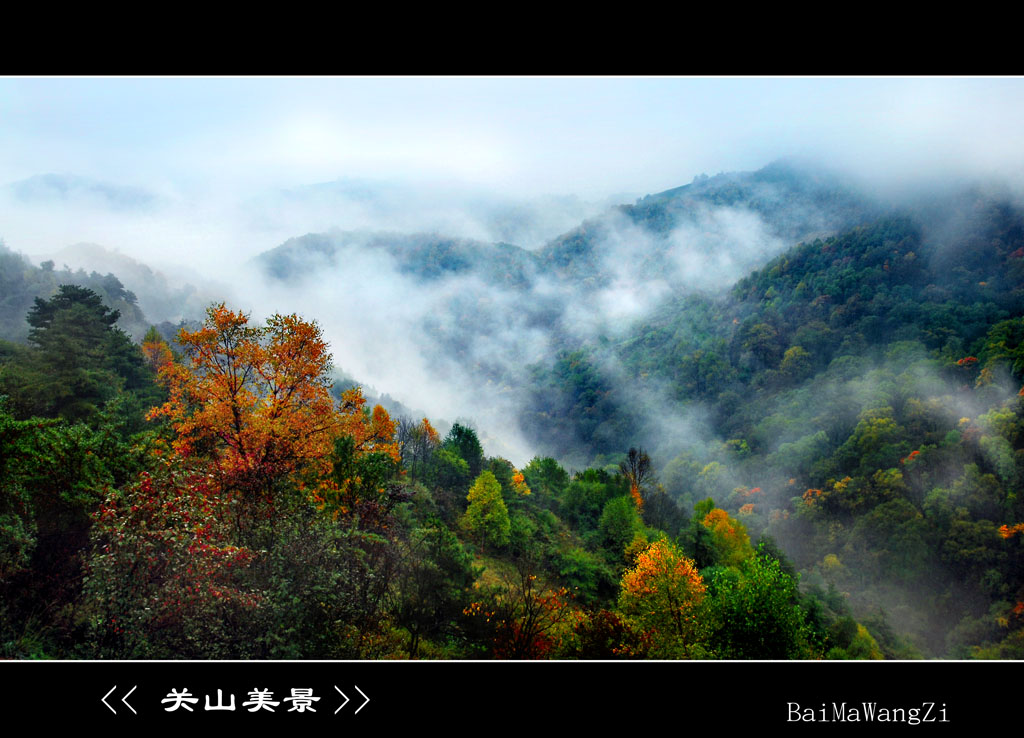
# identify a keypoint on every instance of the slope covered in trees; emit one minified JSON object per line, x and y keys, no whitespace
{"x":21,"y":283}
{"x":256,"y":517}
{"x":822,"y":461}
{"x":858,"y":399}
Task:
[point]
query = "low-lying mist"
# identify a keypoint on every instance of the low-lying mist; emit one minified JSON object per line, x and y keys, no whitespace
{"x":412,"y":291}
{"x":442,"y":298}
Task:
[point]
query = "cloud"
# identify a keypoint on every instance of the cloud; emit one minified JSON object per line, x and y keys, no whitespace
{"x":203,"y":175}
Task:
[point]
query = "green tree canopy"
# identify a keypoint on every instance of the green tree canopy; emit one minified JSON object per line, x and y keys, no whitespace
{"x":486,"y":517}
{"x":79,"y":359}
{"x":464,"y":441}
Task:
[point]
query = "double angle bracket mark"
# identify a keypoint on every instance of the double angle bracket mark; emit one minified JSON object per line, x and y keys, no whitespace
{"x":124,"y":699}
{"x":347,"y":698}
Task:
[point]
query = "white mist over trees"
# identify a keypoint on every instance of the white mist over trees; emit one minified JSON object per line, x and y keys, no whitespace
{"x":822,"y":350}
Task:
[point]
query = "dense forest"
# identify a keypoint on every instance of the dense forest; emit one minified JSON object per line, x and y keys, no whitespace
{"x":819,"y":459}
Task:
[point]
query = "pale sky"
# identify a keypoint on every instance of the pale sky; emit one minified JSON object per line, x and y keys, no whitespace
{"x":589,"y":136}
{"x":219,"y":151}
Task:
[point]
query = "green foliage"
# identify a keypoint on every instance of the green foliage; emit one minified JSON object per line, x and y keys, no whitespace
{"x":363,"y":476}
{"x":503,"y":470}
{"x":52,"y":477}
{"x":619,"y":524}
{"x":1004,"y":344}
{"x":756,"y":612}
{"x":78,"y":360}
{"x":874,"y":443}
{"x":586,"y":496}
{"x":573,"y":404}
{"x":853,"y":641}
{"x":761,"y":341}
{"x":726,"y":543}
{"x":546,"y":478}
{"x":433,"y":589}
{"x":486,"y":518}
{"x":463,"y":441}
{"x":590,"y":579}
{"x":448,"y":474}
{"x":21,"y":284}
{"x":522,"y":534}
{"x":679,"y":479}
{"x":856,"y":397}
{"x":796,"y":363}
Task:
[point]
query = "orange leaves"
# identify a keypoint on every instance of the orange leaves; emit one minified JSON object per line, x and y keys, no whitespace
{"x":662,"y":565}
{"x":1009,"y":531}
{"x":637,"y":469}
{"x":718,"y":521}
{"x":256,"y":401}
{"x":638,"y":500}
{"x":255,"y":398}
{"x":372,"y":432}
{"x":730,"y":536}
{"x":911,"y":457}
{"x":519,"y":484}
{"x":829,"y":495}
{"x":157,"y":354}
{"x":431,"y":435}
{"x":811,"y":495}
{"x":663,"y":592}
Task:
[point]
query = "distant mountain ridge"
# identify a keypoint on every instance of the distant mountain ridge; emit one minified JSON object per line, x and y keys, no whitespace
{"x":426,"y":257}
{"x":48,"y":188}
{"x":782,"y":201}
{"x":793,"y":202}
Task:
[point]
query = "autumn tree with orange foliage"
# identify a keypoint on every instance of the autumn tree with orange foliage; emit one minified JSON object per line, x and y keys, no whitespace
{"x":730,"y":537}
{"x":256,"y":402}
{"x":519,"y":484}
{"x":261,"y":538}
{"x":664,"y":594}
{"x":155,"y":350}
{"x":365,"y":458}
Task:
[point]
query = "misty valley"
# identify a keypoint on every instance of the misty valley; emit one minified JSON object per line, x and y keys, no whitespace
{"x":774,"y":414}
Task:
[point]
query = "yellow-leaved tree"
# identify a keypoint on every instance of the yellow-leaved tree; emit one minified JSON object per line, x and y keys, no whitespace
{"x":664,"y":595}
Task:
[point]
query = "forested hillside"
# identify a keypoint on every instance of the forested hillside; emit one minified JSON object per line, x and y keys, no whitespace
{"x":857,"y":399}
{"x":21,"y":282}
{"x":803,"y":439}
